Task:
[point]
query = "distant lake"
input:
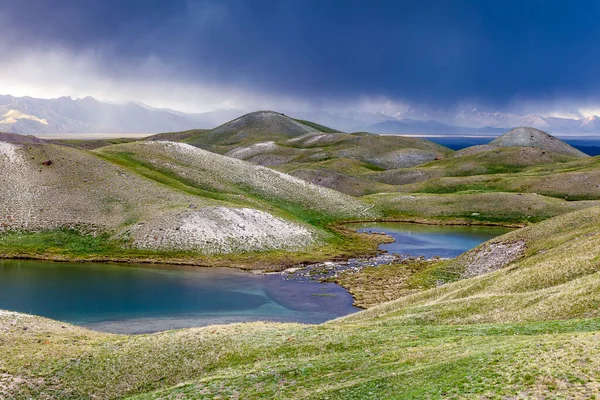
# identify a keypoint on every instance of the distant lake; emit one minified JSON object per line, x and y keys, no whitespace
{"x":431,"y":240}
{"x":138,"y":299}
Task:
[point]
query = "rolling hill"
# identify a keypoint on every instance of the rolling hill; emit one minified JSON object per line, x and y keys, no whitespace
{"x":528,"y":138}
{"x":160,"y":196}
{"x":310,"y":151}
{"x":520,"y":150}
{"x":363,"y":163}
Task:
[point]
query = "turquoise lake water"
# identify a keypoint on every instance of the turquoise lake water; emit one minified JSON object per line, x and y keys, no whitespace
{"x":139,"y":299}
{"x":129,"y":299}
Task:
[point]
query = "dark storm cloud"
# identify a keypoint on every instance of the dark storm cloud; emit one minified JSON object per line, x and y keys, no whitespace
{"x":438,"y":53}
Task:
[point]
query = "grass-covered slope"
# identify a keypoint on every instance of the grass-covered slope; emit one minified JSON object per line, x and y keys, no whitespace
{"x":176,"y":136}
{"x":518,"y":150}
{"x":252,"y":127}
{"x":224,"y":177}
{"x":489,"y":162}
{"x":473,"y":207}
{"x":342,"y":161}
{"x":544,"y":271}
{"x":497,"y":160}
{"x":528,"y":328}
{"x":574,"y":180}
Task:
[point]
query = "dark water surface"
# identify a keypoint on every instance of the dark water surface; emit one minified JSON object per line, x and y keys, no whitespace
{"x":431,"y":240}
{"x":137,"y":299}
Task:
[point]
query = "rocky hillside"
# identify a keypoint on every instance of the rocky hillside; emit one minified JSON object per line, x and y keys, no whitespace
{"x":163,"y":196}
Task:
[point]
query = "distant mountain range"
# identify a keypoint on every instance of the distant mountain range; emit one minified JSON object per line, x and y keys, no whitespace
{"x":29,"y":115}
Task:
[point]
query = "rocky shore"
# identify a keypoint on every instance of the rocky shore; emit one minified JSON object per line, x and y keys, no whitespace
{"x":328,"y":271}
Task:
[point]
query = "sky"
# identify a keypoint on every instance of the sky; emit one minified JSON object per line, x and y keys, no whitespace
{"x":197,"y":56}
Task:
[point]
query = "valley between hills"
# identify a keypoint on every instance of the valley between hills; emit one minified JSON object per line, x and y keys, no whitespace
{"x":515,"y":317}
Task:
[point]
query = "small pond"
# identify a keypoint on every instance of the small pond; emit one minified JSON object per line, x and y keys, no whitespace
{"x":138,"y":299}
{"x":431,"y":240}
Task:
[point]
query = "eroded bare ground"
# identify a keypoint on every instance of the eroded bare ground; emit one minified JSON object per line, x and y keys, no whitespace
{"x":492,"y":257}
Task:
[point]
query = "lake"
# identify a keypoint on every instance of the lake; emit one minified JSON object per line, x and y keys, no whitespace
{"x":139,"y":299}
{"x":431,"y":240}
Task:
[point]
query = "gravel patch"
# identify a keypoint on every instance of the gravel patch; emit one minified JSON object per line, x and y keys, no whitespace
{"x":243,"y":153}
{"x":492,"y":257}
{"x":214,"y":230}
{"x":21,"y":191}
{"x":330,"y":270}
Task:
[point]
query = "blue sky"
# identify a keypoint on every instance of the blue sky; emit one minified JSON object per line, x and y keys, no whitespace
{"x":318,"y":54}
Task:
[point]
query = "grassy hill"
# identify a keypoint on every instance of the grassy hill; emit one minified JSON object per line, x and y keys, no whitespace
{"x":473,"y":207}
{"x":574,"y":180}
{"x":362,"y":164}
{"x":312,"y":152}
{"x":547,"y":166}
{"x":534,"y":138}
{"x":251,"y":128}
{"x":507,"y":324}
{"x":151,"y":200}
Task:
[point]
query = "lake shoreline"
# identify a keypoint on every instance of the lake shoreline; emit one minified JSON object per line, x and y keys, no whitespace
{"x":273,"y":261}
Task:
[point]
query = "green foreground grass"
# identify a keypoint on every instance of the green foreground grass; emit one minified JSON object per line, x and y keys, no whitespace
{"x":375,"y":359}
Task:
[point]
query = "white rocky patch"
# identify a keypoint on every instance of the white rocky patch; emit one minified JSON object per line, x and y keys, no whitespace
{"x":9,"y":152}
{"x":243,"y":153}
{"x":493,"y":256}
{"x":20,"y":192}
{"x":313,"y":139}
{"x":215,"y":230}
{"x":5,"y":313}
{"x":266,"y":181}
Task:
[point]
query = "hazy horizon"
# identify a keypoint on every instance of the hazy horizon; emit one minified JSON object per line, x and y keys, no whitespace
{"x":425,"y":60}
